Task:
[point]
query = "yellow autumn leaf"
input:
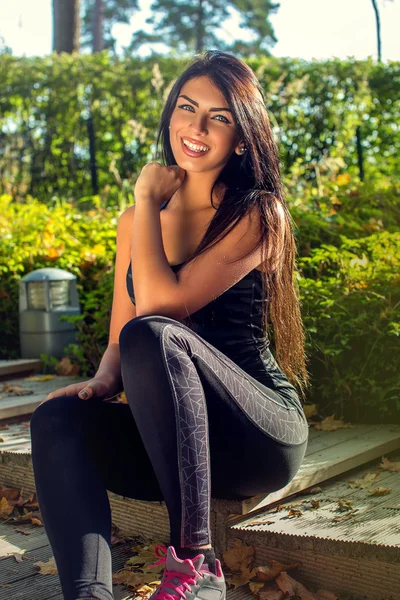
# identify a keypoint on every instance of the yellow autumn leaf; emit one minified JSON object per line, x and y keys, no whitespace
{"x":310,"y":410}
{"x":269,"y":572}
{"x":388,"y":465}
{"x":368,"y":479}
{"x":291,"y":587}
{"x":330,"y":424}
{"x":5,"y":508}
{"x":239,"y":579}
{"x":239,"y":556}
{"x":39,"y":378}
{"x":255,"y":586}
{"x":380,"y":491}
{"x":47,"y":568}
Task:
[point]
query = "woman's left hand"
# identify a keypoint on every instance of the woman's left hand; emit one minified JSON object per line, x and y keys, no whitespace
{"x":157,"y":183}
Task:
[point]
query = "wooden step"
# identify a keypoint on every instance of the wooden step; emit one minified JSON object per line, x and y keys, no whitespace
{"x":19,"y":365}
{"x":12,"y":406}
{"x":330,"y":453}
{"x":358,"y":553}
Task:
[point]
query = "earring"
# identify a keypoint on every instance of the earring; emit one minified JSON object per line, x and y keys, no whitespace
{"x":243,"y":149}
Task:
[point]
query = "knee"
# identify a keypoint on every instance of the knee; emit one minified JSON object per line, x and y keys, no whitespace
{"x":56,"y":410}
{"x":139,"y":327}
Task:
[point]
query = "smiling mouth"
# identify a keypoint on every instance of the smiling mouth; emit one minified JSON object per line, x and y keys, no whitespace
{"x":195,"y":147}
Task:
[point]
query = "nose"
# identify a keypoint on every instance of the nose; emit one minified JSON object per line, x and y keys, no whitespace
{"x":198,"y":124}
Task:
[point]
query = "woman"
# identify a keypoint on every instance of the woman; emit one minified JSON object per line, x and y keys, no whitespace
{"x":204,"y":258}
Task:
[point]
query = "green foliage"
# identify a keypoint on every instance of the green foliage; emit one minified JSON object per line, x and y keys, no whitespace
{"x":314,"y":107}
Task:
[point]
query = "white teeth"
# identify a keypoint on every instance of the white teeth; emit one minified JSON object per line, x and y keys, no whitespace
{"x":195,"y":147}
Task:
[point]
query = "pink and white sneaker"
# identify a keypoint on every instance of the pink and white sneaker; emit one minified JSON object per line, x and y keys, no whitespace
{"x":187,"y":579}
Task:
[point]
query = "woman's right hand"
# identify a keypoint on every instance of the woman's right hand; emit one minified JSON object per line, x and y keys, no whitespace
{"x":87,"y":390}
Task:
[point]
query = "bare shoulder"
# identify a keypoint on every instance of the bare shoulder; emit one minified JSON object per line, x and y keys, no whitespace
{"x":125,"y":224}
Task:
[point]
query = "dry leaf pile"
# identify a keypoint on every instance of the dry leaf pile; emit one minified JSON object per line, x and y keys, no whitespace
{"x":269,"y":582}
{"x":17,"y":510}
{"x":137,"y":573}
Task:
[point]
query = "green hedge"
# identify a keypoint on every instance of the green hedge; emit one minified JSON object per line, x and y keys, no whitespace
{"x":315,"y":108}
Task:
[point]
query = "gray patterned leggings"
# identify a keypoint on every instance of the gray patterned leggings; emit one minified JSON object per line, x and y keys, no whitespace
{"x":196,"y":426}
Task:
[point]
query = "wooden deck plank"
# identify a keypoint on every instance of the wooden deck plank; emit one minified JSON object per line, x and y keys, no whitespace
{"x":36,"y":539}
{"x":374,"y":523}
{"x":13,"y":406}
{"x":319,"y":440}
{"x":18,"y":365}
{"x":334,"y":459}
{"x":21,"y":580}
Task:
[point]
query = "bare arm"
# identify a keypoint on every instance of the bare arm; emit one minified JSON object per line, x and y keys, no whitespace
{"x":123,"y":310}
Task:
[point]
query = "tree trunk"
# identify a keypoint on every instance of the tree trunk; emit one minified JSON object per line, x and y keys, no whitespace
{"x":378,"y":30}
{"x":66,"y":26}
{"x":200,"y":28}
{"x":98,"y":42}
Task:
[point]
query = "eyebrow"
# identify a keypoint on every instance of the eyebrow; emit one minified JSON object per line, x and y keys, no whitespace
{"x":197,"y":104}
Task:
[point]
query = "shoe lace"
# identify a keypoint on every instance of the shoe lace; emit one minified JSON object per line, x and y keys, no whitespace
{"x":174,"y":580}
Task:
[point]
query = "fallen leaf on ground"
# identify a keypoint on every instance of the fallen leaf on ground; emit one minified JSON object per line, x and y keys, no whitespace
{"x":47,"y":568}
{"x":239,"y":579}
{"x":133,"y":577}
{"x":239,"y":556}
{"x":256,"y":586}
{"x":291,"y":587}
{"x":380,"y":491}
{"x":344,"y":504}
{"x":331,"y":424}
{"x":11,"y":494}
{"x":294,"y":513}
{"x":346,"y":517}
{"x":22,"y":531}
{"x":271,"y":591}
{"x":40,"y":378}
{"x":145,"y":591}
{"x":16,"y":390}
{"x":19,"y":556}
{"x":269,"y":572}
{"x":5,"y":508}
{"x":368,"y":479}
{"x":387,"y":465}
{"x":310,"y":410}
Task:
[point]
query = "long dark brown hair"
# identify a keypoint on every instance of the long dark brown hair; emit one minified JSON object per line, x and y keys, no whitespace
{"x":251,"y":179}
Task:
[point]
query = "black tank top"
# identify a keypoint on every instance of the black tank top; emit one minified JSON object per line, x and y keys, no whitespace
{"x":232,"y":323}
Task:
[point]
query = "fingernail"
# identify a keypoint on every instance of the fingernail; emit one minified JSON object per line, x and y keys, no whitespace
{"x":83,"y":394}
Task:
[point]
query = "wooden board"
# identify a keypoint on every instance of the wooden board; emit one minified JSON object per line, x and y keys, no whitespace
{"x":19,"y":365}
{"x":12,"y":406}
{"x":330,"y":453}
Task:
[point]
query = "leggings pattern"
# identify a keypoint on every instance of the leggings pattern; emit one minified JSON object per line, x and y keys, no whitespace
{"x":284,"y":424}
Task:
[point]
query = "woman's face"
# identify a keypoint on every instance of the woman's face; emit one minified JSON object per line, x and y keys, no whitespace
{"x":195,"y":120}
